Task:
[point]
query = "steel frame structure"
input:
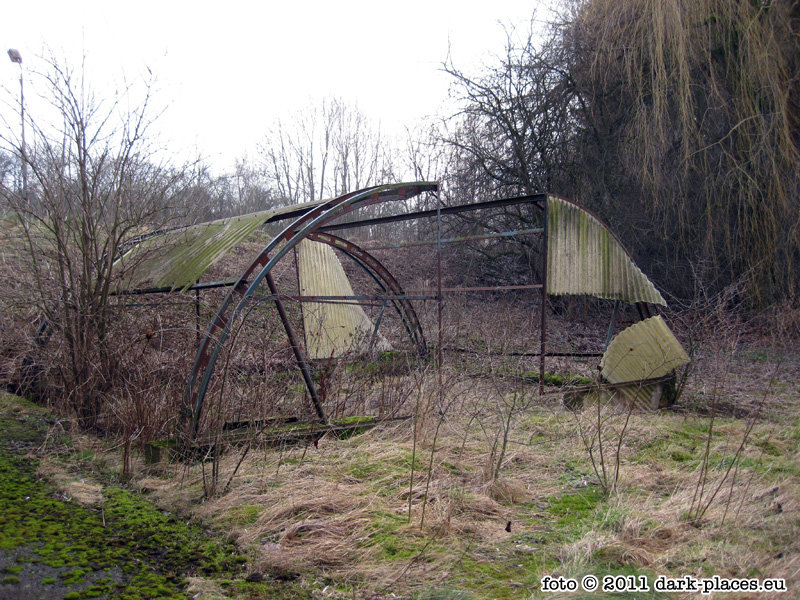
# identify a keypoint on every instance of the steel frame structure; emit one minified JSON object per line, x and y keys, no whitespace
{"x":316,"y":223}
{"x":308,"y":224}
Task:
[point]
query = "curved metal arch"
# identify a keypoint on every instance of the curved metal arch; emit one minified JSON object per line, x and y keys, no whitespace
{"x":220,"y":326}
{"x":385,"y":281}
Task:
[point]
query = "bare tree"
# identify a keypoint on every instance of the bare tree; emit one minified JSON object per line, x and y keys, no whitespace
{"x":515,"y":128}
{"x":514,"y":134}
{"x":324,"y":151}
{"x":250,"y":189}
{"x":689,"y":114}
{"x":95,"y":183}
{"x":8,"y":170}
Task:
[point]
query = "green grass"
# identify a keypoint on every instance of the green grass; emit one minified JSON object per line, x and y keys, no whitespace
{"x":441,"y":593}
{"x":240,"y":516}
{"x":685,"y":446}
{"x":390,"y":537}
{"x":574,"y":509}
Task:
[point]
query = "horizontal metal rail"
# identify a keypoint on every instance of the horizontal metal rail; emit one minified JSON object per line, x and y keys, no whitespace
{"x":457,"y":240}
{"x":423,"y":294}
{"x":429,"y":294}
{"x":168,"y":290}
{"x":490,"y":288}
{"x":537,"y":199}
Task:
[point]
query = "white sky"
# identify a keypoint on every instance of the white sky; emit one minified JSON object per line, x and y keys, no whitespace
{"x":226,"y":70}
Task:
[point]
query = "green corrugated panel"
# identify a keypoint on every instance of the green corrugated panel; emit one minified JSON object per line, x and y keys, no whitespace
{"x":177,"y":259}
{"x":332,"y":328}
{"x":645,"y":350}
{"x":584,"y":258}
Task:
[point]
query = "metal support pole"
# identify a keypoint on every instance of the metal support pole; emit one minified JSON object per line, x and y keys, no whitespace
{"x":16,"y":57}
{"x":643,"y":308}
{"x":300,"y":293}
{"x":439,"y":295}
{"x":197,"y":314}
{"x":298,"y":354}
{"x":612,"y":324}
{"x":23,"y":150}
{"x":374,"y":336}
{"x":542,"y":322}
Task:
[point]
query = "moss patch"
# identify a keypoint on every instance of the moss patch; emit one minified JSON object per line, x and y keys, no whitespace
{"x":126,"y":549}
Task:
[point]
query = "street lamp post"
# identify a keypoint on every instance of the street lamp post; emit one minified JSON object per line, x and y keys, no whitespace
{"x":16,"y":57}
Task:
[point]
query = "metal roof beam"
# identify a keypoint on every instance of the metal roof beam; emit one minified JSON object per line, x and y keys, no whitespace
{"x":537,"y":199}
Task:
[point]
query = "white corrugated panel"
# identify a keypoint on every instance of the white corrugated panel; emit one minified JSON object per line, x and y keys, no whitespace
{"x":641,"y":397}
{"x":584,"y":258}
{"x":645,"y":350}
{"x":332,"y":328}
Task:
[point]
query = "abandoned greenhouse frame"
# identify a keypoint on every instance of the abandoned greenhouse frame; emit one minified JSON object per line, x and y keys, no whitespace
{"x":579,"y":255}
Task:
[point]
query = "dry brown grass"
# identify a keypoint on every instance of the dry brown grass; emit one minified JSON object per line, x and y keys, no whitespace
{"x":347,"y":515}
{"x":71,"y":486}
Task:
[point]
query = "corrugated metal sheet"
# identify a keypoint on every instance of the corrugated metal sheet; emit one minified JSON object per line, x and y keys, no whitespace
{"x":177,"y":259}
{"x":645,"y":350}
{"x":584,"y":258}
{"x":641,"y":397}
{"x":332,"y":329}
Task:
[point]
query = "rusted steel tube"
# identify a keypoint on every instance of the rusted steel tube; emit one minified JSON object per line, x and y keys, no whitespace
{"x":298,"y":354}
{"x":538,"y":200}
{"x":542,"y":321}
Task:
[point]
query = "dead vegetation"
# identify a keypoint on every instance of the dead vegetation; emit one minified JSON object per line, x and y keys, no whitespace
{"x":412,"y":508}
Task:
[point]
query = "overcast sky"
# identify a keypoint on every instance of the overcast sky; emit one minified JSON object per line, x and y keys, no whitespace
{"x":225,"y":71}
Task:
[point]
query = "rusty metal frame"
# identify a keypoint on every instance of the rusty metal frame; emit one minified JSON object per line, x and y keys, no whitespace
{"x":542,"y":318}
{"x":385,"y":281}
{"x":315,"y":222}
{"x":538,"y":200}
{"x":308,"y":223}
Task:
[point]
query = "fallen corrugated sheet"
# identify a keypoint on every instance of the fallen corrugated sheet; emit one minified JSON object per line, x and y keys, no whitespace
{"x":177,"y":259}
{"x":645,"y":350}
{"x":640,"y":353}
{"x":584,"y":258}
{"x":637,"y":396}
{"x":332,"y":328}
